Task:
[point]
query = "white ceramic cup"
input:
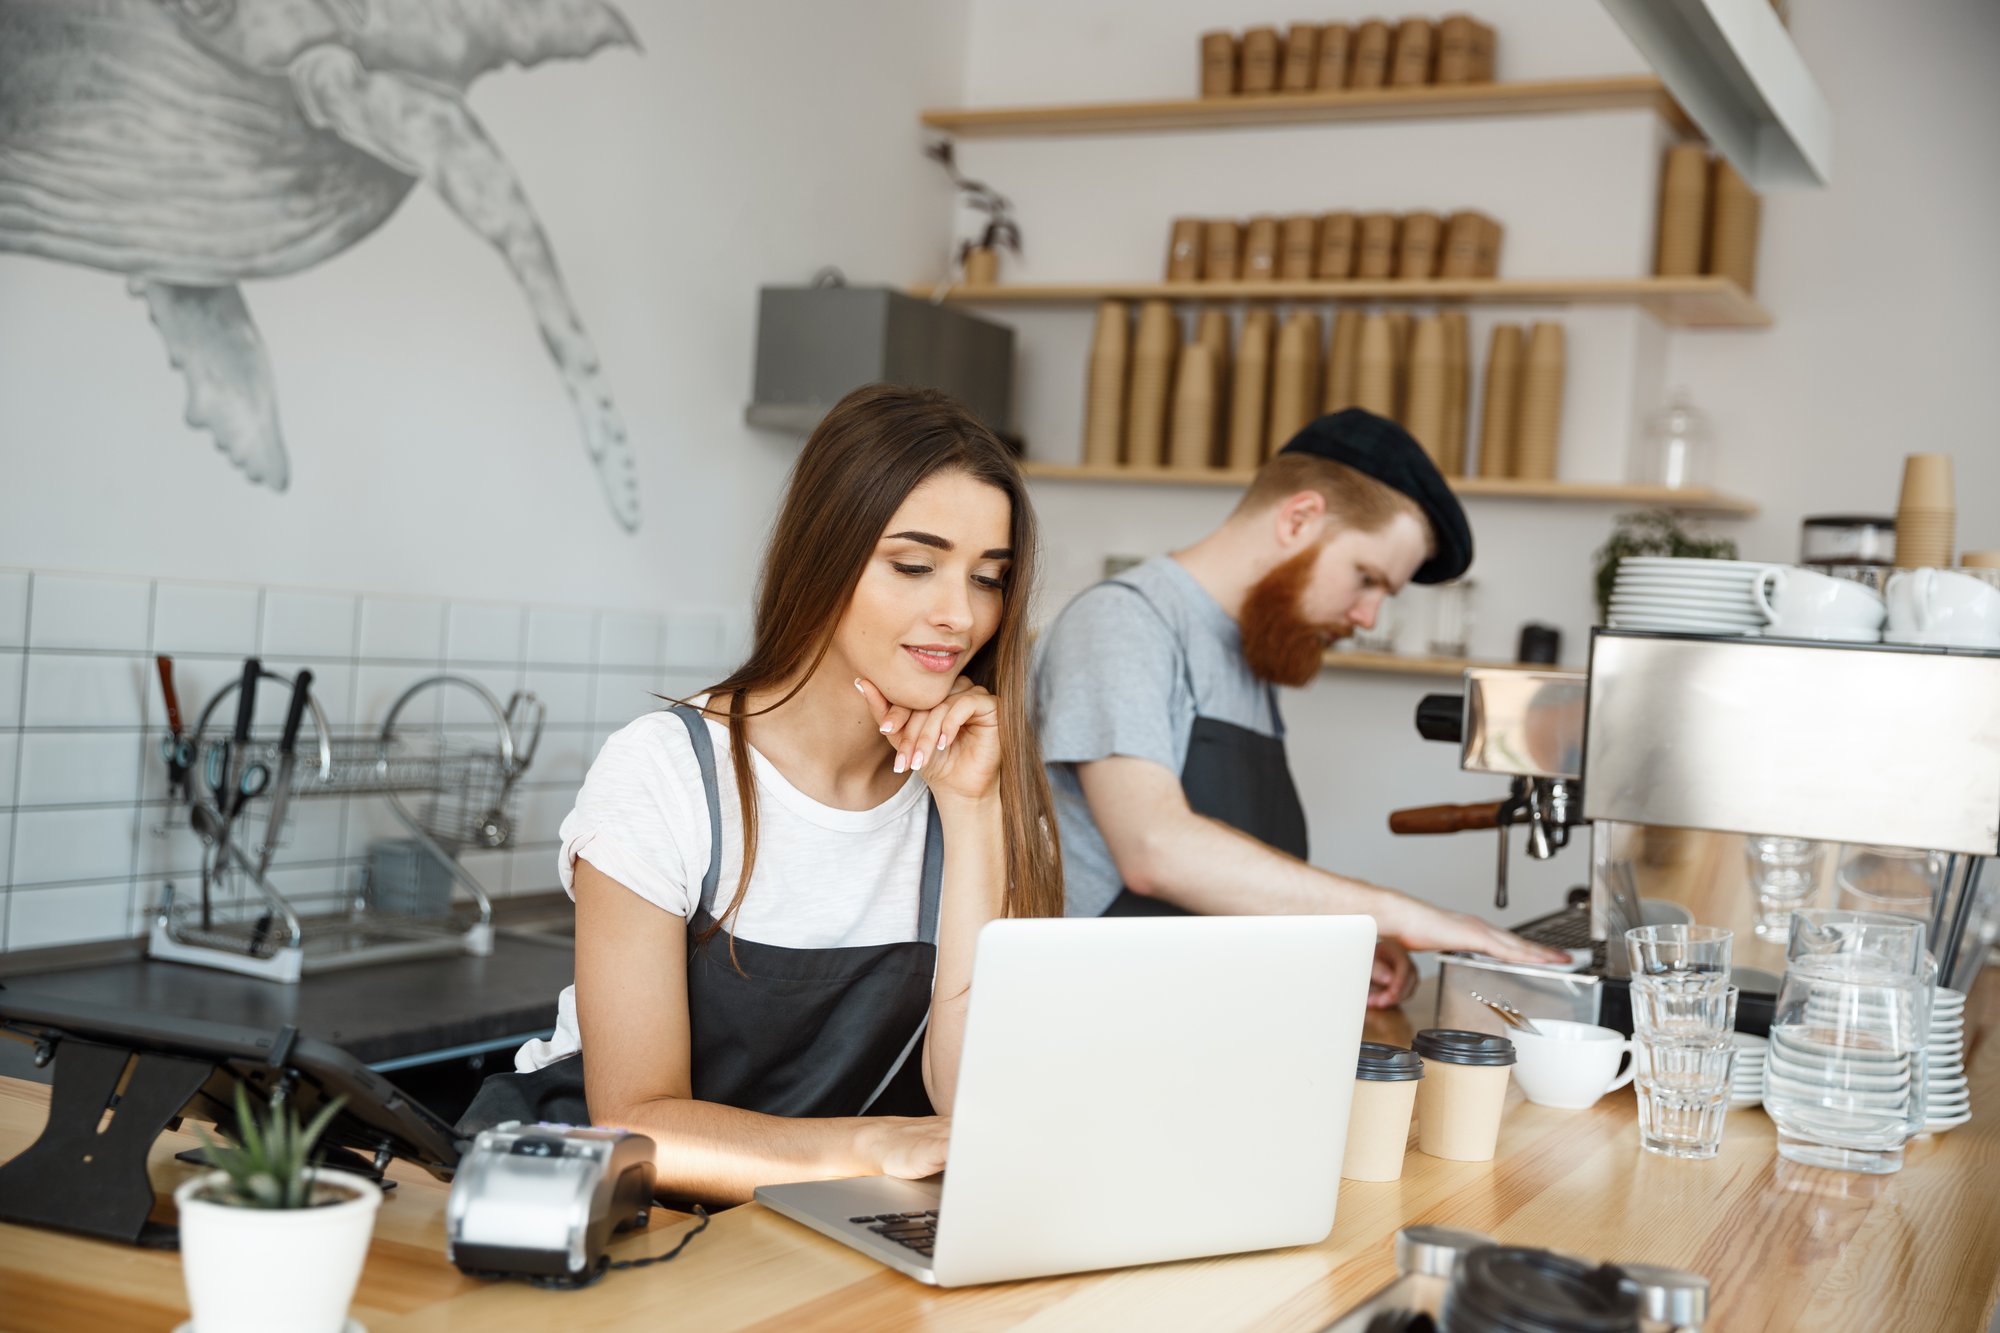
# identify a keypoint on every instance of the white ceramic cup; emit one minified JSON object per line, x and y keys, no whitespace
{"x":1799,"y":604}
{"x":1570,"y":1065}
{"x":1945,"y":607}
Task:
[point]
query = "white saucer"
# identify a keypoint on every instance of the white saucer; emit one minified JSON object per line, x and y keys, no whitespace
{"x":1825,"y":635}
{"x":1912,"y":639}
{"x":1949,"y":1122}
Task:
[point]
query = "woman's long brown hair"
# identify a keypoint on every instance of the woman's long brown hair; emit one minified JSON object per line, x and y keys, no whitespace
{"x":877,"y":445}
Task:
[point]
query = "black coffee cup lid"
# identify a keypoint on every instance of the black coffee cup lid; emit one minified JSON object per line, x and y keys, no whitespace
{"x":1513,"y":1289}
{"x":1452,"y":1046}
{"x":1382,"y":1063}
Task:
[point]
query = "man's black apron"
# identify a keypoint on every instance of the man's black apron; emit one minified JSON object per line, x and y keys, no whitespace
{"x":796,"y":1032}
{"x":1234,"y":775}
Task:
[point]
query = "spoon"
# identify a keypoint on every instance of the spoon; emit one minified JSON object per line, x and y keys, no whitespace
{"x":1513,"y":1017}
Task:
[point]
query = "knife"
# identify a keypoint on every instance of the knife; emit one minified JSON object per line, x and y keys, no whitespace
{"x":287,"y":760}
{"x":235,"y":768}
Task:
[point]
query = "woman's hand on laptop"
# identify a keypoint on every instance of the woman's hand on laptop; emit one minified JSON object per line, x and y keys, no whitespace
{"x":1418,"y":925}
{"x":908,"y":1147}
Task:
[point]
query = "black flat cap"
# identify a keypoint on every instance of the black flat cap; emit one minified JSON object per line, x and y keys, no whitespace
{"x":1385,"y":451}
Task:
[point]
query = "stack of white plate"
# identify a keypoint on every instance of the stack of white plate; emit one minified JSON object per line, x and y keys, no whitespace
{"x":1746,"y":1088}
{"x":1685,"y":596}
{"x":1947,"y":1105}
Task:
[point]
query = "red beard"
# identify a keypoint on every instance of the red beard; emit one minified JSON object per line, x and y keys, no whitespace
{"x":1278,"y":644}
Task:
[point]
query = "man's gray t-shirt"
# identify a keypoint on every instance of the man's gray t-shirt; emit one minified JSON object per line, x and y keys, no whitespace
{"x":1125,"y":670}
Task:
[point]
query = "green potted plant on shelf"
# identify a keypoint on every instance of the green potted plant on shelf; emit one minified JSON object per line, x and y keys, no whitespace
{"x":270,"y":1239}
{"x":979,"y":261}
{"x":1652,"y":532}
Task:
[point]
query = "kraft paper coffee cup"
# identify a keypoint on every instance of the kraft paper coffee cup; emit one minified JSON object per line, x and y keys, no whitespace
{"x":1378,"y":1125}
{"x":1463,"y":1090}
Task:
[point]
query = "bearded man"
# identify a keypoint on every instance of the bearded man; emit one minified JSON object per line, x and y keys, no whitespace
{"x":1156,"y":704}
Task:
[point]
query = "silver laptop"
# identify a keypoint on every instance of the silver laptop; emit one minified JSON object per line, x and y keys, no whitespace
{"x":1132,"y":1090}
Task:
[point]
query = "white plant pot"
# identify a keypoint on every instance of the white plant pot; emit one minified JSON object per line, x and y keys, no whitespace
{"x":250,"y":1270}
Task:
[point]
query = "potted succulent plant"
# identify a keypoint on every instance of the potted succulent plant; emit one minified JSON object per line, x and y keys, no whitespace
{"x":268,"y":1238}
{"x":979,"y":261}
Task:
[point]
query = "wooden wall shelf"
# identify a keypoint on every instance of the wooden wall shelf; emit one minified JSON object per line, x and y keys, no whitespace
{"x":1690,"y":500}
{"x":1707,"y":302}
{"x":1397,"y":665}
{"x":1539,"y":97}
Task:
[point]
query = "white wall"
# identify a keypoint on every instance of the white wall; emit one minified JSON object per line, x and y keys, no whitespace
{"x":433,"y":447}
{"x":1882,"y":287}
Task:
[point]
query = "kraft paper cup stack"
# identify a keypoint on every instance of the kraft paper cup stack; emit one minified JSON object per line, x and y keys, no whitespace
{"x":1732,"y":226}
{"x":1457,"y":53}
{"x":1683,"y":211}
{"x":1222,"y":250}
{"x":1298,"y":247}
{"x":1417,"y":246}
{"x":1342,"y":361}
{"x":1375,"y":245}
{"x":1336,"y":246}
{"x":1294,"y":379}
{"x":1369,"y":65}
{"x":1464,"y":239}
{"x":1258,"y":65}
{"x":1538,"y":425}
{"x":1155,"y":348}
{"x":1412,"y":54}
{"x":1336,"y":43}
{"x":1218,"y":64}
{"x":1375,"y":366}
{"x":1184,"y":250}
{"x":1979,"y":560}
{"x":1211,"y":330}
{"x":1260,"y":250}
{"x":1104,"y":402}
{"x":1192,"y":441}
{"x":1490,"y":233}
{"x":1926,"y":513}
{"x":1457,"y":355}
{"x":1503,"y":397}
{"x":1301,"y":65}
{"x":1429,"y":393}
{"x":1249,"y":386}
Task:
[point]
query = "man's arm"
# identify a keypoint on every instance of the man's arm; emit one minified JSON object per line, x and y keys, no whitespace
{"x":1165,"y":850}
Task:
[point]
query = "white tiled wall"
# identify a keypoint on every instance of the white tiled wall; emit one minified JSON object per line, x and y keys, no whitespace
{"x":87,"y":833}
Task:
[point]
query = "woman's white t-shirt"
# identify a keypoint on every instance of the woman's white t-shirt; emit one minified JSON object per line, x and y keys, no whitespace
{"x":824,"y":878}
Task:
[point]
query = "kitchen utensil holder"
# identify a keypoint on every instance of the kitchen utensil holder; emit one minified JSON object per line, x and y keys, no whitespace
{"x":451,"y":785}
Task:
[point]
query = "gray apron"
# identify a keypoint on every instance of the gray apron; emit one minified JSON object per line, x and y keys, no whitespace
{"x":796,"y":1032}
{"x":1235,"y":776}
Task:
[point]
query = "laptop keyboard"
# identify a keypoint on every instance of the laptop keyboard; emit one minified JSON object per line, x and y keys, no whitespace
{"x":916,"y":1231}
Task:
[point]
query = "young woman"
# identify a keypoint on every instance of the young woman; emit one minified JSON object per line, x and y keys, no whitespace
{"x":778,"y":884}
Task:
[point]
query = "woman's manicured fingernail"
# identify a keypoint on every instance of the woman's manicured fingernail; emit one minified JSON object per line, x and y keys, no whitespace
{"x":888,"y":727}
{"x":857,"y":684}
{"x":899,"y":763}
{"x":943,"y":741}
{"x":917,"y":760}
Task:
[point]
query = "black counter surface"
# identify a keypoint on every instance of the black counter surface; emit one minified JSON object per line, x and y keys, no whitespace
{"x":377,"y":1012}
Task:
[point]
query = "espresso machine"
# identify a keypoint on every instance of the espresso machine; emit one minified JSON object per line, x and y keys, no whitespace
{"x":1882,"y":744}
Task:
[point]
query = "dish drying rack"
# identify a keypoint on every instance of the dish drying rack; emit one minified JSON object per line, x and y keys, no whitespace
{"x":452,"y":787}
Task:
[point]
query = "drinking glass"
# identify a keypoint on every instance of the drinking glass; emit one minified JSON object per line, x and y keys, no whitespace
{"x":1865,"y":942}
{"x":1684,"y":1054}
{"x":1680,"y":955}
{"x":1784,"y":874}
{"x":1888,"y":879}
{"x":1845,"y":1073}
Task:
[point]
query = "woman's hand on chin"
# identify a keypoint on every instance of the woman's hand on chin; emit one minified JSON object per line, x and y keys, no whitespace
{"x":956,"y":744}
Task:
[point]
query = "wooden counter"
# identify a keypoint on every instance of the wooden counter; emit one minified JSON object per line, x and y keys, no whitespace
{"x":1785,"y":1247}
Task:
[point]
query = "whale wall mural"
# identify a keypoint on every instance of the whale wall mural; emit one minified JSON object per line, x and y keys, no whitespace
{"x":195,"y":145}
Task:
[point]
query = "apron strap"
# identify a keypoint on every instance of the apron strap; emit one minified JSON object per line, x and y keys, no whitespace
{"x":704,"y":755}
{"x":927,"y":891}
